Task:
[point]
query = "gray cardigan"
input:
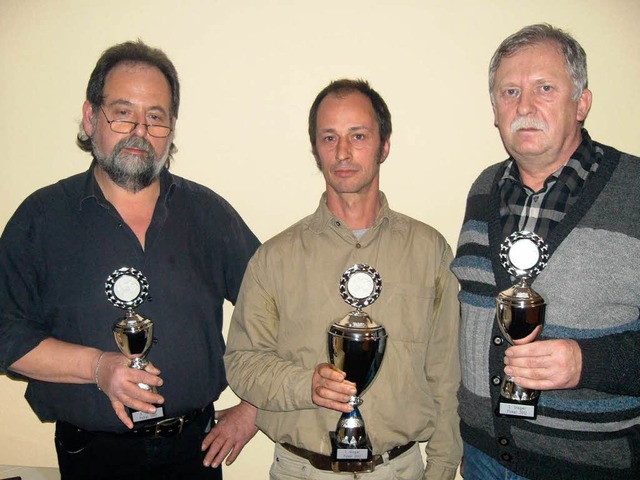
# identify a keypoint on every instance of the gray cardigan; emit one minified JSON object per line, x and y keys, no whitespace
{"x":592,"y":288}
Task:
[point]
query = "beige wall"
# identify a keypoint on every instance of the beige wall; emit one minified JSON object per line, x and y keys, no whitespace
{"x":249,"y":72}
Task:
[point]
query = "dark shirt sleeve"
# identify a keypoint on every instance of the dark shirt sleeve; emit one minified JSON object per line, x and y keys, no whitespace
{"x":21,"y":325}
{"x":241,"y":244}
{"x":611,"y":364}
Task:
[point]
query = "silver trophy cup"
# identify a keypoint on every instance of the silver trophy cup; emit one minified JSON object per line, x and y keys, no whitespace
{"x":127,"y":288}
{"x":520,"y":312}
{"x":356,"y":346}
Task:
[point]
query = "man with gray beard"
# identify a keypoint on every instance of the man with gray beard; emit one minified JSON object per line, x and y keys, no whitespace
{"x":184,"y":248}
{"x":575,"y":410}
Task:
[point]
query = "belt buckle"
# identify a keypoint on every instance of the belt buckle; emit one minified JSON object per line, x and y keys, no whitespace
{"x":169,"y":423}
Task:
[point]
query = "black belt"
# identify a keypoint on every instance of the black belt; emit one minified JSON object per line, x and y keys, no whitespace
{"x":323,"y":462}
{"x":167,"y":427}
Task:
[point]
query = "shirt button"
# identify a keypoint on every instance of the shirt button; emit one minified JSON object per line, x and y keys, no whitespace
{"x":496,"y":380}
{"x":337,"y":223}
{"x":506,"y":457}
{"x":504,"y":441}
{"x":498,"y":340}
{"x":358,"y":245}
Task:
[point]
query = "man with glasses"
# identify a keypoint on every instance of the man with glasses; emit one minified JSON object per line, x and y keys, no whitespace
{"x":184,"y":241}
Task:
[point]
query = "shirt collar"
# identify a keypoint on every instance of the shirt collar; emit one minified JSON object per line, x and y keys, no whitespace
{"x":585,"y":157}
{"x":323,"y":218}
{"x":93,"y":190}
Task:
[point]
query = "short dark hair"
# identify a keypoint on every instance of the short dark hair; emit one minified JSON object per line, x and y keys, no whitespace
{"x":134,"y":53}
{"x":344,"y":87}
{"x":574,"y":55}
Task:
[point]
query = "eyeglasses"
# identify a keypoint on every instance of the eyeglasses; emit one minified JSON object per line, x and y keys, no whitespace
{"x":125,"y":126}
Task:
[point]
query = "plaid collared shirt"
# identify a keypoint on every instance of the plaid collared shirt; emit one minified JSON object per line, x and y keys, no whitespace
{"x":523,"y":209}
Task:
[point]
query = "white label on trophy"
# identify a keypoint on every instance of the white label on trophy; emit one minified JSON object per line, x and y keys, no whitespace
{"x":138,"y":416}
{"x":515,"y":410}
{"x":360,"y":285}
{"x":524,"y":254}
{"x":127,"y":288}
{"x":352,"y":454}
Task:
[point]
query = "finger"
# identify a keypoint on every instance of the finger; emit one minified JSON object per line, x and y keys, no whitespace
{"x":140,"y":399}
{"x":235,"y":451}
{"x":152,"y":369}
{"x":330,"y":372}
{"x":121,"y":413}
{"x":221,"y":454}
{"x":217,"y":448}
{"x":333,"y":404}
{"x":147,"y":378}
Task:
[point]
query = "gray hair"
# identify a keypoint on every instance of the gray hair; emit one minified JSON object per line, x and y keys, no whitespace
{"x":574,"y":55}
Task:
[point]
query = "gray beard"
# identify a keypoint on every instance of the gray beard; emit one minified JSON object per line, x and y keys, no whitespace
{"x":131,"y":172}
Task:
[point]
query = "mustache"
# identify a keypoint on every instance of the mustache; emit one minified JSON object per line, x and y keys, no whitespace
{"x":527,"y":122}
{"x":133,"y":142}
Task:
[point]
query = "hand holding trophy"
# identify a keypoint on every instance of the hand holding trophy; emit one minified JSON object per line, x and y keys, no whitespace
{"x":520,"y":312}
{"x":127,"y":288}
{"x":356,"y":346}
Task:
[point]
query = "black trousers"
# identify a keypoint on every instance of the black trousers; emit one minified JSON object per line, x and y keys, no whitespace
{"x":103,"y":456}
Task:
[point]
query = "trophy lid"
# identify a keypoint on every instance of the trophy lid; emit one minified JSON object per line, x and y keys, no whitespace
{"x":132,"y":323}
{"x":520,"y":295}
{"x":356,"y":326}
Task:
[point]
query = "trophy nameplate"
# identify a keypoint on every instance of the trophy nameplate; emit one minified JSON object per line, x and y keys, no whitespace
{"x":127,"y":288}
{"x":520,"y":312}
{"x":356,"y":346}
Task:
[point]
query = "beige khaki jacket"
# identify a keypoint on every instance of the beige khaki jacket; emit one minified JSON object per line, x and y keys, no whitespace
{"x":288,"y":300}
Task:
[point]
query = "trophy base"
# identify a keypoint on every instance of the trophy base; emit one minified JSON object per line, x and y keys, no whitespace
{"x":351,"y":459}
{"x":517,"y":409}
{"x":140,"y":418}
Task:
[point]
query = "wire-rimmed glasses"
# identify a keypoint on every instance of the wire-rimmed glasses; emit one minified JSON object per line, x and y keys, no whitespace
{"x":126,"y":127}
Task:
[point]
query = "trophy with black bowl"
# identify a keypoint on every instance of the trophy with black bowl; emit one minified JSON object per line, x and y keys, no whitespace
{"x":356,"y":346}
{"x":520,"y":312}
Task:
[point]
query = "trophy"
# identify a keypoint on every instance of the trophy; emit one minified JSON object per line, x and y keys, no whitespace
{"x":520,"y":313}
{"x":127,"y":288}
{"x":356,"y":346}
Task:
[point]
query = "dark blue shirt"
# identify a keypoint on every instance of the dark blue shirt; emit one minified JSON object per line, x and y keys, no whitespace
{"x":56,"y":253}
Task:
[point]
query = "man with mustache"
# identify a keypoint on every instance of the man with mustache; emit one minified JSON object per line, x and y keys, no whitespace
{"x":277,"y":346}
{"x":61,"y":247}
{"x":581,"y":198}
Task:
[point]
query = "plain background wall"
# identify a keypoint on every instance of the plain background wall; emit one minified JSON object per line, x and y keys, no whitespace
{"x":250,"y":70}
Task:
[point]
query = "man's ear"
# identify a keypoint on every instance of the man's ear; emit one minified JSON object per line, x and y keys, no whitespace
{"x":584,"y":105}
{"x":385,"y":151}
{"x":87,"y":118}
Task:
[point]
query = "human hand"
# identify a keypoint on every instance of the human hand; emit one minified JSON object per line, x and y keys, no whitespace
{"x":234,"y":428}
{"x":545,"y":365}
{"x":330,"y":389}
{"x":120,"y":384}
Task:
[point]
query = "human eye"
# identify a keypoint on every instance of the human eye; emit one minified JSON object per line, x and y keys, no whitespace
{"x":511,"y":92}
{"x":359,"y":136}
{"x":328,"y":138}
{"x":155,"y":118}
{"x":121,"y":113}
{"x":546,"y":88}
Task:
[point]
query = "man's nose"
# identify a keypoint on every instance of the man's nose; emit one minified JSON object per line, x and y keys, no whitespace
{"x":343,"y":149}
{"x":526,"y":102}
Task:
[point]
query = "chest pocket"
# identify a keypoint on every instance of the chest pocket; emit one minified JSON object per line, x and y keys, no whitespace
{"x":405,"y":311}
